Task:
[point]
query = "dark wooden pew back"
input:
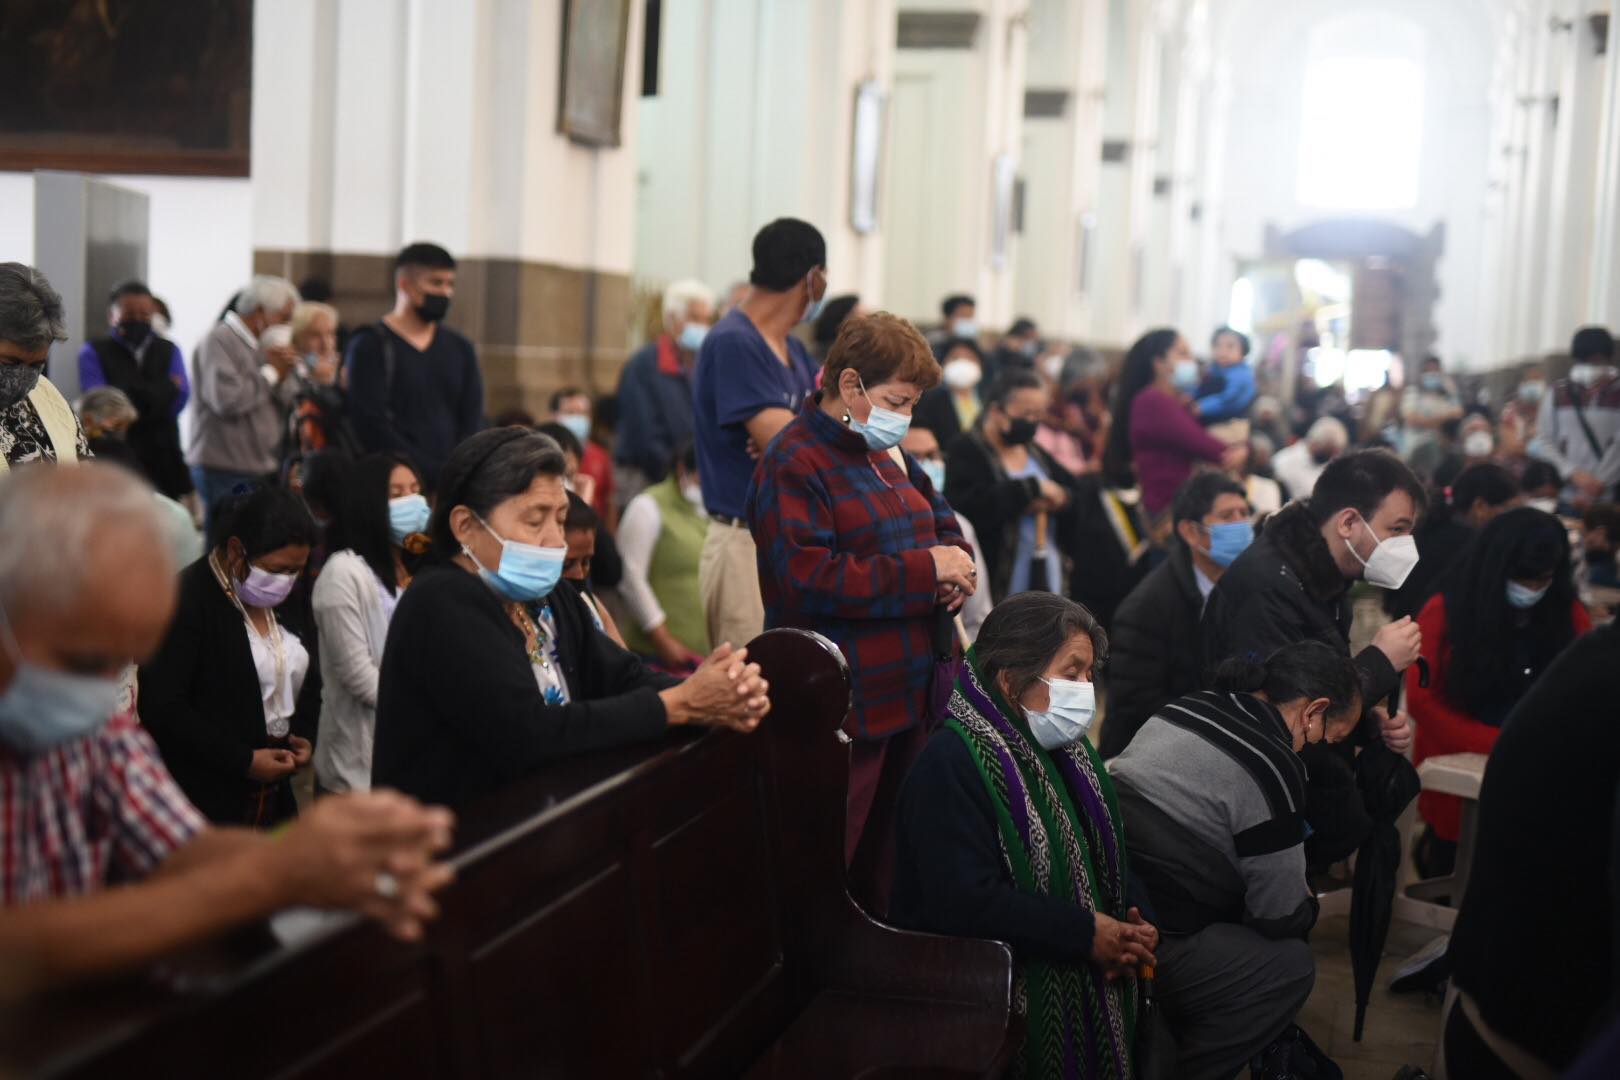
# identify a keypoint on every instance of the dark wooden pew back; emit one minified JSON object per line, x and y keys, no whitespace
{"x":668,"y":910}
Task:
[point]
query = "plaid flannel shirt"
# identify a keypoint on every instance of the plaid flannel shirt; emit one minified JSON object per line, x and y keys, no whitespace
{"x":843,"y":535}
{"x":101,"y":803}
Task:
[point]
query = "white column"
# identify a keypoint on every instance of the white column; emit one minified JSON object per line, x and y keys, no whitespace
{"x":1603,"y":300}
{"x":1060,"y":162}
{"x":1574,"y":173}
{"x":376,"y":123}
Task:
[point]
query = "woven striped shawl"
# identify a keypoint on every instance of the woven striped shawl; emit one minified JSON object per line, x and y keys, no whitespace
{"x":1059,"y":828}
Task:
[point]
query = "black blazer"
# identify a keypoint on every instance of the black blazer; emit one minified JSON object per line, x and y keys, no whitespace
{"x":199,"y":697}
{"x":459,"y":714}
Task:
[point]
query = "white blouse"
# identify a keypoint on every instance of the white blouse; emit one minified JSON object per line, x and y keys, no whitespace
{"x":282,"y":662}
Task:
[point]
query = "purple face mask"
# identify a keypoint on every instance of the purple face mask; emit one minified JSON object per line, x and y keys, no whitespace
{"x":262,"y":589}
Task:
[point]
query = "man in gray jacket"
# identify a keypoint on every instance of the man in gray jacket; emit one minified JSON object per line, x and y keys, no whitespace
{"x":241,"y":392}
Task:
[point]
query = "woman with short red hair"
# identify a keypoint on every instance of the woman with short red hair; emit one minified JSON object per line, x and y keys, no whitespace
{"x":855,"y":543}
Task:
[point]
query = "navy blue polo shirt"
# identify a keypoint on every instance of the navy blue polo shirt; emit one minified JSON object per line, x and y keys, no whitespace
{"x":738,"y":377}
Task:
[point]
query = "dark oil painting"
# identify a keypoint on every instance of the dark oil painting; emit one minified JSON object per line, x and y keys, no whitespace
{"x":127,"y":86}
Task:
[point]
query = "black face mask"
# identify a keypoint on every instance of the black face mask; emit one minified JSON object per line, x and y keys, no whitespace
{"x":1018,"y":432}
{"x":134,"y":332}
{"x":1599,"y":558}
{"x":1321,"y":457}
{"x":433,"y":307}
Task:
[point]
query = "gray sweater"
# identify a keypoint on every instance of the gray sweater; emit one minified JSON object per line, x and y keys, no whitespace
{"x":239,"y":417}
{"x":1213,"y":797}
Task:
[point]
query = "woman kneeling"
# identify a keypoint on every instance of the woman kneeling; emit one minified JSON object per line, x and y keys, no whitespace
{"x":1009,"y":829}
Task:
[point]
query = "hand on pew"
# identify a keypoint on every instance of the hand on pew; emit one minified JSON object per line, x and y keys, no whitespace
{"x":368,"y":852}
{"x":725,"y":691}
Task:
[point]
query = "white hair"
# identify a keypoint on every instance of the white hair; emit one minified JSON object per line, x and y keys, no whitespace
{"x":266,"y":293}
{"x":1328,"y":431}
{"x":104,"y":404}
{"x":682,"y":295}
{"x":49,"y":516}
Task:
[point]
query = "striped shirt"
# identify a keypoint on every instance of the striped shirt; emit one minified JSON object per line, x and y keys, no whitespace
{"x":1214,"y":797}
{"x":95,"y":809}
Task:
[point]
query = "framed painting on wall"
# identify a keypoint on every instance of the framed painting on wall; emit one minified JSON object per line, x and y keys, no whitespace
{"x":590,"y":100}
{"x":127,"y":86}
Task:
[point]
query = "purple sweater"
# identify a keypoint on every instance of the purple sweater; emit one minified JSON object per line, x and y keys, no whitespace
{"x":1166,"y":443}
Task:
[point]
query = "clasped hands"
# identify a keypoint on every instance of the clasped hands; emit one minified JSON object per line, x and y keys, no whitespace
{"x":725,"y":691}
{"x":1120,"y":948}
{"x":955,"y":575}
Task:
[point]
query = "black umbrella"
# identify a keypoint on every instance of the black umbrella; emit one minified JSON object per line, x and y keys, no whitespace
{"x":1038,"y":579}
{"x":1388,"y":783}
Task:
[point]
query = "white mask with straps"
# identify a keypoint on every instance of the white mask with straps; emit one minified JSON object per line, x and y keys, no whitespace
{"x":1391,"y":561}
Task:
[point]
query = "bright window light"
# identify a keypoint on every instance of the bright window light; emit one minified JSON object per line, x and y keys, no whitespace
{"x":1362,"y":127}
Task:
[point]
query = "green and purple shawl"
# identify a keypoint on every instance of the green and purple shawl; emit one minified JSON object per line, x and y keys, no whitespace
{"x":1059,"y":827}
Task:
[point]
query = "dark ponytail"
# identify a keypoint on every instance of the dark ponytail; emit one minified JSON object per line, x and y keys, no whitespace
{"x":1304,"y":669}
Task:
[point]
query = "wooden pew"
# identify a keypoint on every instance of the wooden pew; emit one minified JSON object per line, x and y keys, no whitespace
{"x":670,"y":910}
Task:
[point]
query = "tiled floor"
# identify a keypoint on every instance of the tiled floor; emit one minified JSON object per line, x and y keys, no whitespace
{"x":1400,"y":1029}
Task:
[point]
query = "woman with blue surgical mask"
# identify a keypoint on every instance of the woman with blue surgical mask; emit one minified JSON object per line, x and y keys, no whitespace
{"x":1507,"y":608}
{"x":1009,"y":829}
{"x":857,"y":544}
{"x":229,"y":697}
{"x":494,"y":666}
{"x":378,"y":530}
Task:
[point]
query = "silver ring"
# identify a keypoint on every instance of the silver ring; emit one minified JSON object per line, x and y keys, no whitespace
{"x":386,"y":885}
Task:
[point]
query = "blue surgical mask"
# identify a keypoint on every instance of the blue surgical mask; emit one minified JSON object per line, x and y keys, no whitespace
{"x":578,"y":424}
{"x":406,"y":515}
{"x":1068,"y":714}
{"x":1228,"y":540}
{"x":965,"y":328}
{"x":1186,"y":376}
{"x":43,"y":708}
{"x":526,"y":572}
{"x":812,"y":310}
{"x":1433,"y":382}
{"x":1523,"y":597}
{"x":692,"y":335}
{"x":884,"y":428}
{"x":935,"y":471}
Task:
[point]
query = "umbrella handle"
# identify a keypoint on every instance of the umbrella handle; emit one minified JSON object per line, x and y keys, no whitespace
{"x":1040,"y":530}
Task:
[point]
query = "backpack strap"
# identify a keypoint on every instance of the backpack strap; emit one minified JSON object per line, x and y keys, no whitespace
{"x":390,"y":362}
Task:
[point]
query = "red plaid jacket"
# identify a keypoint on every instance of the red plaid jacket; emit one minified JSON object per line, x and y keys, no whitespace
{"x":99,"y":806}
{"x":843,"y":535}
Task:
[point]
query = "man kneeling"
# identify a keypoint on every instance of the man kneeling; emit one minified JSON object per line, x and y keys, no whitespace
{"x":1214,"y":789}
{"x":87,"y":588}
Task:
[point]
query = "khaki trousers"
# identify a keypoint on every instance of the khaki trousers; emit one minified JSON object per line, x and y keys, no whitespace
{"x":728,"y":578}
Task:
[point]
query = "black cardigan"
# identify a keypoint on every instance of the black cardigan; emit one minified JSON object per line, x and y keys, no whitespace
{"x":200,"y":698}
{"x":459,"y":714}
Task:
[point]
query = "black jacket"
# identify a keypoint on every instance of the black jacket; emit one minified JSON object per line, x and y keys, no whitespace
{"x":937,"y":412}
{"x":155,"y":434}
{"x":1546,"y":832}
{"x":1108,"y":566}
{"x":1155,"y":649}
{"x":458,"y":711}
{"x":1287,"y":588}
{"x":978,"y":487}
{"x":200,"y":699}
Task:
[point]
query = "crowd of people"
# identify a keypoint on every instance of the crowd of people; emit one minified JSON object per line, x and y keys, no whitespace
{"x":1097,"y":615}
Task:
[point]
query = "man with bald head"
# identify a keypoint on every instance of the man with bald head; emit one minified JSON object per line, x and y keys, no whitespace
{"x":86,"y":589}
